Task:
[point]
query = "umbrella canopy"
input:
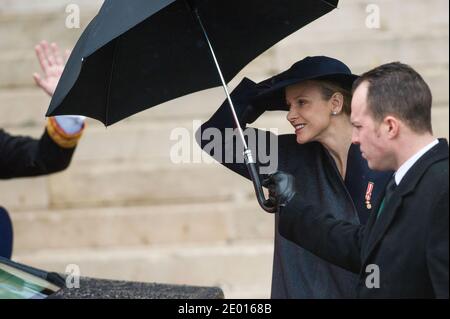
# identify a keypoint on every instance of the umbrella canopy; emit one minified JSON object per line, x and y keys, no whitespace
{"x":136,"y":54}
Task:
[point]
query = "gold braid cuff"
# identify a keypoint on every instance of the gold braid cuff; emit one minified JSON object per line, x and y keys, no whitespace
{"x":60,"y":137}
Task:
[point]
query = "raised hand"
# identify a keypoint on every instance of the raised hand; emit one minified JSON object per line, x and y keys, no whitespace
{"x":52,"y":64}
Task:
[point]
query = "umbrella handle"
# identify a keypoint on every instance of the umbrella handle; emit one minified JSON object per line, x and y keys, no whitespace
{"x":265,"y":204}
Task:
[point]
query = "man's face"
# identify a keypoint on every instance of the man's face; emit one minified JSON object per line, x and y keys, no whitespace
{"x":368,"y":133}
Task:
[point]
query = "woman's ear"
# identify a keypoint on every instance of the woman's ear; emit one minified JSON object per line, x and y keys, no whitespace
{"x":337,"y":103}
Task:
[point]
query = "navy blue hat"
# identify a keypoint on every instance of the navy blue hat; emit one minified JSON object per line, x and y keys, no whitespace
{"x":310,"y":68}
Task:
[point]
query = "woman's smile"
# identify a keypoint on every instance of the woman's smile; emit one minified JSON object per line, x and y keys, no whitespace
{"x":299,"y":127}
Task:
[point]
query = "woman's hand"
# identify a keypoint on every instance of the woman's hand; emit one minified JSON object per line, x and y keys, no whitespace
{"x":281,"y":188}
{"x":52,"y":64}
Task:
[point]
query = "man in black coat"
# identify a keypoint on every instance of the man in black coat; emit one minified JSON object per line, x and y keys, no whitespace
{"x":402,"y":252}
{"x":22,"y":156}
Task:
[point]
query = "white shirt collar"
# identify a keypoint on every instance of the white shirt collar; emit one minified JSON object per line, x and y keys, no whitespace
{"x":401,"y":172}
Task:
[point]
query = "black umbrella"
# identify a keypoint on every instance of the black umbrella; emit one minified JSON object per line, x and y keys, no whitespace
{"x":136,"y":54}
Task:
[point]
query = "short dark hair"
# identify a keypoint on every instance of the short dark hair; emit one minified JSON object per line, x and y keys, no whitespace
{"x":397,"y":89}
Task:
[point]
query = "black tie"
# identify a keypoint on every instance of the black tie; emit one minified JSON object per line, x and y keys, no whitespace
{"x":390,"y":189}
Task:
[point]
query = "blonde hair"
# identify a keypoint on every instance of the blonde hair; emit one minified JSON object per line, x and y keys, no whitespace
{"x":329,"y":88}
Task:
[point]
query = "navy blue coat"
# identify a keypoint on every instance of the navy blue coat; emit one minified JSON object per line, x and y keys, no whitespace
{"x":297,"y":273}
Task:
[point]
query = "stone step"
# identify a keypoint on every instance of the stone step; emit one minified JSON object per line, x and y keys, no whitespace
{"x":26,"y":23}
{"x":27,"y":107}
{"x":240,"y":268}
{"x":145,"y":140}
{"x":131,"y":183}
{"x":128,"y":183}
{"x":417,"y":17}
{"x":45,"y":6}
{"x":363,"y":53}
{"x":131,"y":165}
{"x":22,"y":29}
{"x":360,"y":53}
{"x":440,"y":121}
{"x":405,"y":40}
{"x":150,"y":140}
{"x":247,"y":292}
{"x":30,"y":193}
{"x":140,"y":226}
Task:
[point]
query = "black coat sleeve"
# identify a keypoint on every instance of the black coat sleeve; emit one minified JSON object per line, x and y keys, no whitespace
{"x":215,"y":138}
{"x":437,"y":246}
{"x":26,"y":157}
{"x":335,"y":241}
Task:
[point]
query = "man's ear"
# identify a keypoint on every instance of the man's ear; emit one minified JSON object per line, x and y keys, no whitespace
{"x":337,"y":103}
{"x":391,"y":127}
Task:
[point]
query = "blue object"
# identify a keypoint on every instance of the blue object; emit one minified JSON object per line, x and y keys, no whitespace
{"x":6,"y":234}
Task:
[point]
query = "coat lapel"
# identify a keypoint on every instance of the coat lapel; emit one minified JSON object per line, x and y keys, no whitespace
{"x":376,"y":228}
{"x":381,"y":224}
{"x":371,"y":223}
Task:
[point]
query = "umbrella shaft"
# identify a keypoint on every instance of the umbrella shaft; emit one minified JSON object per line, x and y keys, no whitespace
{"x":225,"y":87}
{"x":249,"y":160}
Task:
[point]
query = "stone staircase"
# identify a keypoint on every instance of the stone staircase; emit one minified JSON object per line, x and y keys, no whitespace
{"x":123,"y":210}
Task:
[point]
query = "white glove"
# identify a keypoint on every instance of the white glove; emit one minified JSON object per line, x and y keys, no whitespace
{"x":71,"y":124}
